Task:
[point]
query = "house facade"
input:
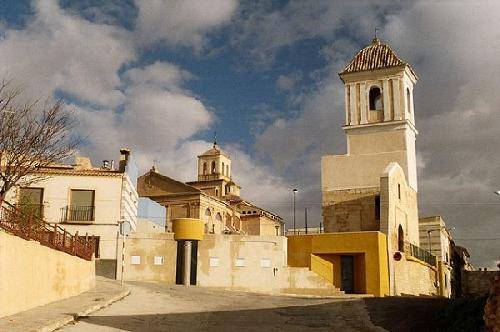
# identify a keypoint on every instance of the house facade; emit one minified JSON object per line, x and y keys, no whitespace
{"x":86,"y":200}
{"x":436,"y":239}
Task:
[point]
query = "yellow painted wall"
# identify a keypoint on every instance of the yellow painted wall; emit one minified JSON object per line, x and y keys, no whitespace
{"x":369,"y":249}
{"x":33,"y":275}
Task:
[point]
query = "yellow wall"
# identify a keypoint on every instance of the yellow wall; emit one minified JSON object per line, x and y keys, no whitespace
{"x":33,"y":275}
{"x":188,"y":229}
{"x":368,"y":248}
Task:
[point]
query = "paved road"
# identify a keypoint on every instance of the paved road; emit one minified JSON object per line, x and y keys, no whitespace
{"x":153,"y":307}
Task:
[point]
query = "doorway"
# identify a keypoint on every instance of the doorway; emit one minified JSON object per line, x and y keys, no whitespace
{"x":180,"y":262}
{"x":347,"y":273}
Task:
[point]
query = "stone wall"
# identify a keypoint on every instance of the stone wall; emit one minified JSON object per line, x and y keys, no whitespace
{"x":477,"y":282}
{"x":413,"y":277}
{"x":33,"y":275}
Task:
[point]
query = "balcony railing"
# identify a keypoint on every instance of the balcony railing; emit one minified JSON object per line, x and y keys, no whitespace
{"x":212,"y":176}
{"x":30,"y":227}
{"x":419,"y":253}
{"x":74,"y":213}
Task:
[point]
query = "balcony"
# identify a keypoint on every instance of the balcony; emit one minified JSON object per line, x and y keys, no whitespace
{"x":212,"y":177}
{"x":73,"y":213}
{"x":419,"y":253}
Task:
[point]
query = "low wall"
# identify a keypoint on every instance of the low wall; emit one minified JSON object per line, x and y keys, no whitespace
{"x":33,"y":275}
{"x":477,"y":282}
{"x":414,"y":277}
{"x":148,"y":257}
{"x":243,"y":262}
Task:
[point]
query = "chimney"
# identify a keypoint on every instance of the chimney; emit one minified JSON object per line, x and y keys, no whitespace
{"x":124,"y":157}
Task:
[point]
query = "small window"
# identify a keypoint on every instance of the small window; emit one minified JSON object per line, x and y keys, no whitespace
{"x":399,"y":191}
{"x":217,"y":192}
{"x":377,"y":207}
{"x":213,"y":167}
{"x":375,"y":97}
{"x":401,"y":239}
{"x":223,"y":168}
{"x":204,"y":168}
{"x":227,"y":170}
{"x":135,"y":260}
{"x":31,"y":201}
{"x":408,"y":100}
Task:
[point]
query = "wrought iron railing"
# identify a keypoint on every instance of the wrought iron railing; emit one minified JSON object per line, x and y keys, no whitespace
{"x":30,"y":227}
{"x":419,"y":253}
{"x":74,"y":213}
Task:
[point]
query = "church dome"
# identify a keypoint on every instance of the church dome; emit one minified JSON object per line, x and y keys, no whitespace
{"x":375,"y":56}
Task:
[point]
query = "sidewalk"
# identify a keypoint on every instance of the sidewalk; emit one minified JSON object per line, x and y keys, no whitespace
{"x":57,"y":314}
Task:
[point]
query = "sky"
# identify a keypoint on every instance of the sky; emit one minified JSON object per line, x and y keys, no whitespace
{"x":160,"y":77}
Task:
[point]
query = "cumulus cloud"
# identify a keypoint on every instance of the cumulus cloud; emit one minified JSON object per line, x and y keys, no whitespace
{"x":181,"y":22}
{"x":60,"y":52}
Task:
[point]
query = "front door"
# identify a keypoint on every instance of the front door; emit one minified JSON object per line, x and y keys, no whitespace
{"x":347,"y":273}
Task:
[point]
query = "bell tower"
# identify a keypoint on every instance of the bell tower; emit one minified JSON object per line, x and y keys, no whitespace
{"x":379,"y":111}
{"x":214,"y":165}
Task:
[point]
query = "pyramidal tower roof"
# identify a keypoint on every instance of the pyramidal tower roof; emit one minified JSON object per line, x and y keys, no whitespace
{"x":373,"y":57}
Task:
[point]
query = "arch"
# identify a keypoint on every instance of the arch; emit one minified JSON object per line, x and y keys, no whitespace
{"x":204,"y":168}
{"x":401,"y":239}
{"x":375,"y":98}
{"x":223,"y":168}
{"x":213,"y":167}
{"x":408,"y":99}
{"x":208,"y":219}
{"x":228,"y":189}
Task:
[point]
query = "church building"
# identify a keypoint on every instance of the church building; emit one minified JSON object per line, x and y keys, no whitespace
{"x":369,"y":194}
{"x":213,"y":198}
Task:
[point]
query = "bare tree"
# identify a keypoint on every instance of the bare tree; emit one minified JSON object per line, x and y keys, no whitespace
{"x":32,"y":137}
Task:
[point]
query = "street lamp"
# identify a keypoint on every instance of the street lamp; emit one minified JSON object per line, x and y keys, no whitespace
{"x":294,"y":227}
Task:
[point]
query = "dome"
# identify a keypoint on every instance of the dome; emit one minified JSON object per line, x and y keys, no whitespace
{"x":214,"y":151}
{"x":375,"y":56}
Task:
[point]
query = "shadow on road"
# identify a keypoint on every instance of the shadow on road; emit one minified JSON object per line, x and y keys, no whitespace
{"x":335,"y":316}
{"x":406,"y":313}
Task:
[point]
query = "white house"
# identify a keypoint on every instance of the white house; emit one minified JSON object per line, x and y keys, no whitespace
{"x":88,"y":200}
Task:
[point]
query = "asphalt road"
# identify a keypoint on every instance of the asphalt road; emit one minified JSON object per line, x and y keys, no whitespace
{"x":154,"y":307}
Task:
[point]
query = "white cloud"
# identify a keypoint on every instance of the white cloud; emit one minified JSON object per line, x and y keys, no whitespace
{"x":181,"y":22}
{"x":57,"y":51}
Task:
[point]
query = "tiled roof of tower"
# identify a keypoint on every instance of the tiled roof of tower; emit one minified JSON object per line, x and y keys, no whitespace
{"x":214,"y":151}
{"x":375,"y":56}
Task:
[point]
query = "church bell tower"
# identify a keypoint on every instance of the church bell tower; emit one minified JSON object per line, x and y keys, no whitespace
{"x":379,"y":112}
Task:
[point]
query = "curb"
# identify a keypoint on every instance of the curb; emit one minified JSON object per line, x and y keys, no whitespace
{"x":70,"y":319}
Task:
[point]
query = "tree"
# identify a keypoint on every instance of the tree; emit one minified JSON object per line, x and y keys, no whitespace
{"x":32,"y":137}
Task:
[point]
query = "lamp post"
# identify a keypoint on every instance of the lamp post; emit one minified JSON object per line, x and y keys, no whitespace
{"x":294,"y":227}
{"x":429,"y":238}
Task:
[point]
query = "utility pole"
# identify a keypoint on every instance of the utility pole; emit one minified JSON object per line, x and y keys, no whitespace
{"x":294,"y":226}
{"x":305,"y":218}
